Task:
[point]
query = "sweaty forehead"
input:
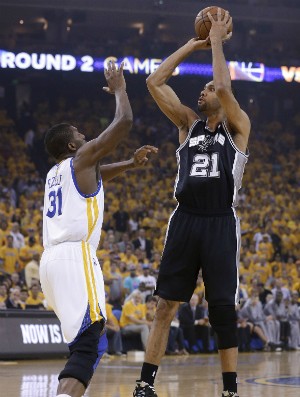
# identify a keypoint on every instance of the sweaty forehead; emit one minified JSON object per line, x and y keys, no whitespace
{"x":210,"y":84}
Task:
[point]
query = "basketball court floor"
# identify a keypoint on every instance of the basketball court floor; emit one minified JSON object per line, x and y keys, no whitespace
{"x":260,"y":375}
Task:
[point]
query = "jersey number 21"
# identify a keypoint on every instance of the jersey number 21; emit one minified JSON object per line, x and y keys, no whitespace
{"x":206,"y":165}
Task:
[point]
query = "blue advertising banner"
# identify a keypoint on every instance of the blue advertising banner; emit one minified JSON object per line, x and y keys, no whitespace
{"x":249,"y":71}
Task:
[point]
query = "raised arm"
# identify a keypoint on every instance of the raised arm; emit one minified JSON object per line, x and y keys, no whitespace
{"x":169,"y":103}
{"x":239,"y":123}
{"x":139,"y":159}
{"x":90,"y":153}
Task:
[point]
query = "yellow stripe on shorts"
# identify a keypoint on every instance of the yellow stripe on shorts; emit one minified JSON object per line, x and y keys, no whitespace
{"x":96,"y":308}
{"x":90,"y":283}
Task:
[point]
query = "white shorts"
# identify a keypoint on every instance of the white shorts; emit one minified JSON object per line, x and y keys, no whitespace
{"x":72,"y":282}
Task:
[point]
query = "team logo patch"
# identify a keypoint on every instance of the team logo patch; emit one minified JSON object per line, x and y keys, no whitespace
{"x":208,"y":141}
{"x":204,"y":141}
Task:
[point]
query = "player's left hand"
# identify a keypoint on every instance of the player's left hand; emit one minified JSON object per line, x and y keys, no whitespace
{"x":219,"y":28}
{"x":114,"y":78}
{"x":140,"y":155}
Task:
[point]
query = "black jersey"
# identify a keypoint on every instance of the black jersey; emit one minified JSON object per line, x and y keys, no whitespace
{"x":210,"y":169}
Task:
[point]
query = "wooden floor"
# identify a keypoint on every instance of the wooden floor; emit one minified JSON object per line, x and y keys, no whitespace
{"x":260,"y":375}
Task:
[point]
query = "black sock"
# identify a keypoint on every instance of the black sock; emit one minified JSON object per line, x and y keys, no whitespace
{"x":148,"y":373}
{"x":230,"y":381}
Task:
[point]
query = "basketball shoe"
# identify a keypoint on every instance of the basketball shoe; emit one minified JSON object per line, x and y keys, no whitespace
{"x":142,"y":389}
{"x":227,"y":393}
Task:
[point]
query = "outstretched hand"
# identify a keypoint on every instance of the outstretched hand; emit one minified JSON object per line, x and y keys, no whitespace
{"x":114,"y":77}
{"x":219,"y":28}
{"x":198,"y":44}
{"x":140,"y":155}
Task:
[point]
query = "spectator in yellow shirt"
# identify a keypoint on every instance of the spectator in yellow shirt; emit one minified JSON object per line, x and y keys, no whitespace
{"x":276,"y":266}
{"x":30,"y":248}
{"x":34,"y":300}
{"x":3,"y":231}
{"x":6,"y":208}
{"x":128,"y":256}
{"x":291,"y":267}
{"x":251,"y":251}
{"x":149,"y":222}
{"x":289,"y":241}
{"x":265,"y":247}
{"x":133,"y":318}
{"x":262,"y":269}
{"x":3,"y":292}
{"x":103,"y":253}
{"x":155,"y":260}
{"x":199,"y":290}
{"x":246,"y":270}
{"x":9,"y":256}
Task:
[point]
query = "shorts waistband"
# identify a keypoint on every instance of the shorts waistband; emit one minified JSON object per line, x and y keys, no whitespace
{"x":201,"y":212}
{"x":71,"y":244}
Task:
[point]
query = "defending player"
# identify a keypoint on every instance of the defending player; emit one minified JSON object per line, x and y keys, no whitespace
{"x":70,"y":273}
{"x":203,"y":231}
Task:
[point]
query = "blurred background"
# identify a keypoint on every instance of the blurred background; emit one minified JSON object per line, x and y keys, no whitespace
{"x":39,"y":88}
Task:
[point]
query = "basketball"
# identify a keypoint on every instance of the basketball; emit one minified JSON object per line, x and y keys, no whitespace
{"x":203,"y":24}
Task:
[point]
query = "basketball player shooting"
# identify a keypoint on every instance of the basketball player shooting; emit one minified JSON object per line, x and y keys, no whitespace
{"x":203,"y":230}
{"x":70,"y":273}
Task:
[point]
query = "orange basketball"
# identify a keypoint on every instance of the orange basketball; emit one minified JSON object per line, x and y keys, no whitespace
{"x":203,"y":24}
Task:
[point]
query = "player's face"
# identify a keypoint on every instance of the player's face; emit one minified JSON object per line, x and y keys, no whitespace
{"x":208,"y":99}
{"x":78,"y":138}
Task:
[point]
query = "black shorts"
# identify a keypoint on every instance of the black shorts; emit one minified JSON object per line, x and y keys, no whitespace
{"x":195,"y":241}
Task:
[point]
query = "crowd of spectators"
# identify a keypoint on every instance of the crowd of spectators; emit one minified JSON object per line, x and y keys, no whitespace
{"x":276,"y":52}
{"x":137,"y":207}
{"x":155,"y":37}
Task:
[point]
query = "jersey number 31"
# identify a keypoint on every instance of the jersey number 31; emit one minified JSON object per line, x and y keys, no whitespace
{"x":55,"y":199}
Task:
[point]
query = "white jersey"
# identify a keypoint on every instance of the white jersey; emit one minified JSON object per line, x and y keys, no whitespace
{"x":69,"y":215}
{"x":70,"y":273}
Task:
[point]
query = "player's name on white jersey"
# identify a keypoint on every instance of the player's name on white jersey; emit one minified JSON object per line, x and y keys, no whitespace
{"x":54,"y":181}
